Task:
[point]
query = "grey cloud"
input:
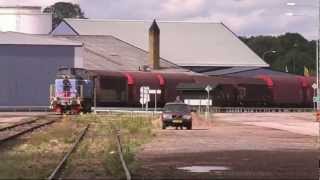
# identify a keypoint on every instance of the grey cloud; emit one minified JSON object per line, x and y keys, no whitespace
{"x":244,"y":17}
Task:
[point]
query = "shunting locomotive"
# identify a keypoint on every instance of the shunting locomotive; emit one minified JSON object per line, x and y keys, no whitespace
{"x":72,"y":91}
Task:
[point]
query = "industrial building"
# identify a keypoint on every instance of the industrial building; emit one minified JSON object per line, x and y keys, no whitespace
{"x":25,"y":19}
{"x":200,"y":47}
{"x":28,"y":64}
{"x":110,"y":53}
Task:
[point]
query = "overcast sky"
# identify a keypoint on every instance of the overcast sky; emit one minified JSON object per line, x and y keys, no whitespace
{"x":244,"y":17}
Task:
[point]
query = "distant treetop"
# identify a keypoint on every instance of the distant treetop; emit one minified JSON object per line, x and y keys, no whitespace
{"x":294,"y":53}
{"x":61,"y":10}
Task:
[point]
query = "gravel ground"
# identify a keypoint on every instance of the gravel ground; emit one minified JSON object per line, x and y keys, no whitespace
{"x":6,"y":121}
{"x":249,"y":151}
{"x":23,"y":114}
{"x":9,"y":118}
{"x":300,"y":123}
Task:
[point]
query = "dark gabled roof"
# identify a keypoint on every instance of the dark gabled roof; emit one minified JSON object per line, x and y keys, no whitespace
{"x":184,"y":43}
{"x":110,"y":53}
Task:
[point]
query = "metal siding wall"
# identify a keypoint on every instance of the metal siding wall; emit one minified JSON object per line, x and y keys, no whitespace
{"x":63,"y":29}
{"x":26,"y":73}
{"x":78,"y":57}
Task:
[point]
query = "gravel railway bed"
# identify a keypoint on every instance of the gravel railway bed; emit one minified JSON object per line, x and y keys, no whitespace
{"x":16,"y":130}
{"x":58,"y":170}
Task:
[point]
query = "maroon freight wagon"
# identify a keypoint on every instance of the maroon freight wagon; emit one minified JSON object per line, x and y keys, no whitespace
{"x":252,"y":92}
{"x":286,"y":91}
{"x":225,"y":91}
{"x":170,"y":83}
{"x":308,"y":91}
{"x":111,"y":88}
{"x":138,"y":79}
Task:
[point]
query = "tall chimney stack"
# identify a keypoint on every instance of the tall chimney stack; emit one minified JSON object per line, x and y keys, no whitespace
{"x":154,"y":45}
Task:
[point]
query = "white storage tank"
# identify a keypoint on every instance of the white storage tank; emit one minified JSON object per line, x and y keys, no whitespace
{"x":25,"y":19}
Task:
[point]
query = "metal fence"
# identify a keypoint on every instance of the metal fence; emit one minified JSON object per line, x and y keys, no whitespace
{"x":115,"y":110}
{"x":251,"y":110}
{"x":112,"y":110}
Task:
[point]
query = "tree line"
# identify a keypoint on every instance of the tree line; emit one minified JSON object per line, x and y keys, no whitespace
{"x":61,"y":10}
{"x":290,"y":52}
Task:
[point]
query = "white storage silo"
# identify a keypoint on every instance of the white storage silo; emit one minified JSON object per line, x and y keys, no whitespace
{"x":25,"y":19}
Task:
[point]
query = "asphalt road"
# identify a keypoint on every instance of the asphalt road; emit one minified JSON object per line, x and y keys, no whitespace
{"x":243,"y":151}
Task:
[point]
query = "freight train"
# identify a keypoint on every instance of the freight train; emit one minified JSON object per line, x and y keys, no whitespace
{"x":122,"y":88}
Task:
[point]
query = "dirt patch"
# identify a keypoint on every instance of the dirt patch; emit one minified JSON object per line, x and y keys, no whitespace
{"x":251,"y":152}
{"x":200,"y":123}
{"x":7,"y":121}
{"x":300,"y":123}
{"x":242,"y":164}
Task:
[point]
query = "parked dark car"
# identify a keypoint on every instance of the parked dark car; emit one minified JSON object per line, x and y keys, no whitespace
{"x":176,"y":115}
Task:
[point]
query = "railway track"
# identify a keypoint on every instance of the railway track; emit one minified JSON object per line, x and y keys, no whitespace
{"x":11,"y":132}
{"x":58,"y":170}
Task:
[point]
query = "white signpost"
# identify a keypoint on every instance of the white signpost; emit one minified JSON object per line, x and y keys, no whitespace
{"x":198,"y":102}
{"x":155,"y":92}
{"x":144,"y":96}
{"x":208,"y":89}
{"x":316,"y":98}
{"x":314,"y":86}
{"x":145,"y":92}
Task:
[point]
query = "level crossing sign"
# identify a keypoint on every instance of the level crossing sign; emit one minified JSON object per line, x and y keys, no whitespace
{"x":144,"y":94}
{"x":316,"y":99}
{"x":314,"y":86}
{"x":155,"y":91}
{"x":208,"y":88}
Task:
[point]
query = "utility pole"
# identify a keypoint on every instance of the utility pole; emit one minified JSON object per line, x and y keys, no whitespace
{"x":95,"y":93}
{"x":318,"y":58}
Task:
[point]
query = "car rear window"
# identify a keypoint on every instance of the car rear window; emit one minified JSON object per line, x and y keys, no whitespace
{"x":176,"y":108}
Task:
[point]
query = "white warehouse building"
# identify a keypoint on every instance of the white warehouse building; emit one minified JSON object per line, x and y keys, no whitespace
{"x":25,"y":19}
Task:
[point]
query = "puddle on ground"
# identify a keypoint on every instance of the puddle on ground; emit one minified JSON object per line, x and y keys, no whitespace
{"x":204,"y":169}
